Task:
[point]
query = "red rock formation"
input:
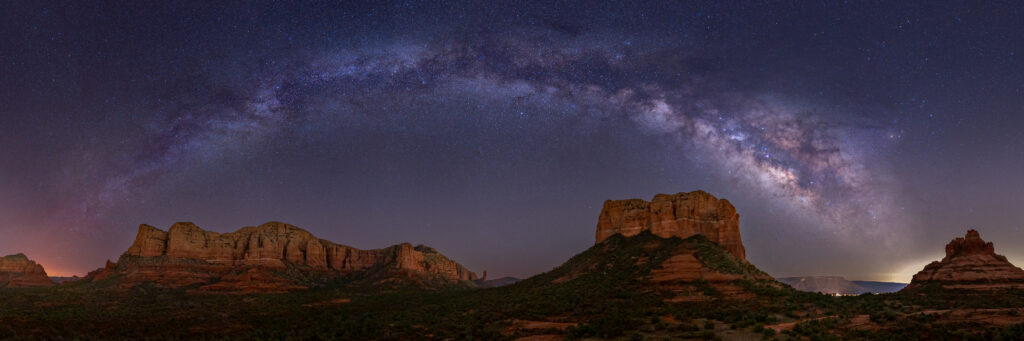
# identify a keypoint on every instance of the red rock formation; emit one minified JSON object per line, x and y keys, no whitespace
{"x":270,"y":257}
{"x":17,"y":271}
{"x":970,"y":244}
{"x":678,"y":215}
{"x":970,"y":263}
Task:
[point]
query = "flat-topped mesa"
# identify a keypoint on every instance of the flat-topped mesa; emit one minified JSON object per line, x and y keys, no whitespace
{"x":186,"y":255}
{"x":17,"y":271}
{"x":970,"y":263}
{"x":270,"y":244}
{"x":677,"y":215}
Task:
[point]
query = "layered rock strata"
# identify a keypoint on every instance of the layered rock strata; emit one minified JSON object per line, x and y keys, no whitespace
{"x":676,"y":215}
{"x":270,"y":257}
{"x":970,"y":263}
{"x":17,"y":271}
{"x":708,"y":259}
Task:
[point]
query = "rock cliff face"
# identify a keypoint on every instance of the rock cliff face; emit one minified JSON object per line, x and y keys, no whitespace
{"x":270,"y":257}
{"x":677,"y":215}
{"x":17,"y":271}
{"x":970,"y":263}
{"x":708,"y":253}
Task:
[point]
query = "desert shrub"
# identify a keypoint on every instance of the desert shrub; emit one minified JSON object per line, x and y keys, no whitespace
{"x":6,"y":332}
{"x":884,"y":315}
{"x":1015,"y":332}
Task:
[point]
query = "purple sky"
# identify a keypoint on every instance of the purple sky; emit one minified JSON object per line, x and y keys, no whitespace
{"x":853,"y":140}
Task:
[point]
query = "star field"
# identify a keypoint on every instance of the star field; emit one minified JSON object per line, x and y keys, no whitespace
{"x":853,"y":139}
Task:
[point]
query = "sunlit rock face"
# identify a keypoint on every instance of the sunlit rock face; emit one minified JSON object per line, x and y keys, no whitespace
{"x":971,"y":263}
{"x":17,"y":271}
{"x":270,"y":257}
{"x":676,"y":215}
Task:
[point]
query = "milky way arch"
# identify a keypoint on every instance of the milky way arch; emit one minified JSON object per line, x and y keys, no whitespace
{"x":810,"y":162}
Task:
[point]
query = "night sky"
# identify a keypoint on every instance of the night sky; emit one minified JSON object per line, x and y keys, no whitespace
{"x":854,"y":140}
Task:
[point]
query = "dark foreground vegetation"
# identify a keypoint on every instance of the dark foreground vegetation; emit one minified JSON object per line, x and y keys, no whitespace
{"x":601,"y":293}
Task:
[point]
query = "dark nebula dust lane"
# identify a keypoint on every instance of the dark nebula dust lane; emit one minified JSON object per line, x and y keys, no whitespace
{"x":849,"y":141}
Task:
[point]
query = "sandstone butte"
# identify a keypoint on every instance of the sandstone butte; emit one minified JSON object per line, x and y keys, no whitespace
{"x":972,"y":264}
{"x":685,"y":215}
{"x":272,"y":257}
{"x":17,"y":271}
{"x":677,"y":215}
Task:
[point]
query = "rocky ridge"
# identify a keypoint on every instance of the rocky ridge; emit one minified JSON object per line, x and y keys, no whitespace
{"x":266,"y":258}
{"x":677,"y":215}
{"x":970,"y":263}
{"x":17,"y":271}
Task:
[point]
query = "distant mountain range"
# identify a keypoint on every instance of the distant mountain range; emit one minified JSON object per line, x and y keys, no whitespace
{"x":494,"y":283}
{"x":881,"y":287}
{"x":840,"y":285}
{"x":64,"y":279}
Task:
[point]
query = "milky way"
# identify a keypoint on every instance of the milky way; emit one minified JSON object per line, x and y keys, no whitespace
{"x":835,"y":131}
{"x":801,"y":158}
